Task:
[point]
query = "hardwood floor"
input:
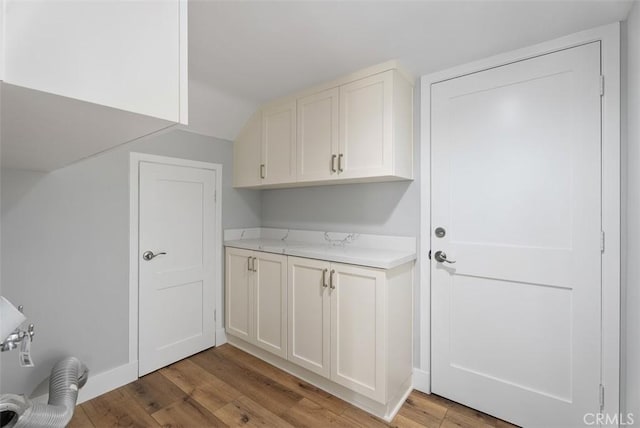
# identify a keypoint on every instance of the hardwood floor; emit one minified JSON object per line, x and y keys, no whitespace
{"x":228,"y":387}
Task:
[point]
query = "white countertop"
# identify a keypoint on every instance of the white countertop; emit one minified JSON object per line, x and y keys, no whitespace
{"x":384,"y":252}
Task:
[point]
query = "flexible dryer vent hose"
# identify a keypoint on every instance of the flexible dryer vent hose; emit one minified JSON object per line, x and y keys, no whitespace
{"x":67,"y":376}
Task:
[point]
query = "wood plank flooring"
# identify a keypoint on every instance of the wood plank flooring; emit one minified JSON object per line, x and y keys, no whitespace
{"x":225,"y":386}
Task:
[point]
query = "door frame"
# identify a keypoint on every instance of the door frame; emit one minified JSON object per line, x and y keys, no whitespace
{"x":609,"y":36}
{"x":134,"y":191}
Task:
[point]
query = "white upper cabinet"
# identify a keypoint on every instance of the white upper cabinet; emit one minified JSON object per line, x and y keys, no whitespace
{"x":355,"y":129}
{"x":247,"y":156}
{"x":279,"y":144}
{"x":365,"y":127}
{"x":317,"y":148}
{"x":122,"y":54}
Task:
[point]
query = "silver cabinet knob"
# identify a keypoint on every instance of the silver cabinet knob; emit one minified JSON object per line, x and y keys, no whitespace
{"x":148,"y":255}
{"x":441,"y":257}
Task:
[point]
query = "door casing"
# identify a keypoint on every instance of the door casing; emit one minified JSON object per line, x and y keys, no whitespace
{"x":134,"y":250}
{"x":609,"y":36}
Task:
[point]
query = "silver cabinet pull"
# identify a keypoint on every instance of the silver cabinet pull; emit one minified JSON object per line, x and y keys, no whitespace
{"x":340,"y":156}
{"x":331,"y":284}
{"x":324,"y":277}
{"x":333,"y":163}
{"x":148,"y":255}
{"x":263,"y":170}
{"x":249,"y":263}
{"x":253,"y":264}
{"x":441,"y":257}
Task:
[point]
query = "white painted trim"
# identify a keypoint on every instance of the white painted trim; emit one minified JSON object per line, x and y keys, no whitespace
{"x":108,"y":381}
{"x":101,"y":383}
{"x":221,"y":335}
{"x":134,"y":170}
{"x":183,"y":63}
{"x":609,"y":36}
{"x":422,"y":380}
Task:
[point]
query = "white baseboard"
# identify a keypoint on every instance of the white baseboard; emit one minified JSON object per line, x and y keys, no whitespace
{"x":422,"y":380}
{"x":221,"y":337}
{"x":101,"y":383}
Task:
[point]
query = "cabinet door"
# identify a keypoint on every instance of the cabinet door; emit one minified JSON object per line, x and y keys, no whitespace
{"x":309,"y":314}
{"x":358,"y":334}
{"x":247,"y":154}
{"x":279,"y":144}
{"x":239,"y":293}
{"x":317,"y":140}
{"x":271,"y":302}
{"x":366,"y":127}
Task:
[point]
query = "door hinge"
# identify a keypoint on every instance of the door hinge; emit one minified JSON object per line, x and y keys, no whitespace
{"x":602,"y":241}
{"x":601,"y":85}
{"x":215,"y":196}
{"x":601,"y":397}
{"x":215,"y":315}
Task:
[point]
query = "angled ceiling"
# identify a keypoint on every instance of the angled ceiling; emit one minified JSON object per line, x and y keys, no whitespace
{"x":243,"y":53}
{"x":260,"y":50}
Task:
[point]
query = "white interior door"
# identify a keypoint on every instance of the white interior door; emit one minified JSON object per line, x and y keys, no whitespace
{"x":176,"y":289}
{"x":516,"y":186}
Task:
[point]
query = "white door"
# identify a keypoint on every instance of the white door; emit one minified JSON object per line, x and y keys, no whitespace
{"x":366,"y":127}
{"x":318,"y":136}
{"x":279,"y":144}
{"x":516,"y":187}
{"x":270,"y":279}
{"x":176,"y":263}
{"x":309,"y":314}
{"x":239,"y":280}
{"x":358,"y":334}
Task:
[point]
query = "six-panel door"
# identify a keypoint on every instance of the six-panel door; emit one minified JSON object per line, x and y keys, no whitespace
{"x":270,"y":302}
{"x":309,"y":314}
{"x":358,"y":336}
{"x":239,"y":293}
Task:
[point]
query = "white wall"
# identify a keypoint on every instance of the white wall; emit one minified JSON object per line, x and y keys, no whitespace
{"x":126,"y":55}
{"x":65,"y":248}
{"x":630,"y":379}
{"x":215,"y":113}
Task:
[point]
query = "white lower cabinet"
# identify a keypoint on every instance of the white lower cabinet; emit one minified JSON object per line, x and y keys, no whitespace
{"x":358,"y":329}
{"x":256,"y":298}
{"x":309,"y":313}
{"x":336,"y":323}
{"x":349,"y":324}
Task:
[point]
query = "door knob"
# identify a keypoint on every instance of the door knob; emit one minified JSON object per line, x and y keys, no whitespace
{"x":148,"y":255}
{"x":441,"y":257}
